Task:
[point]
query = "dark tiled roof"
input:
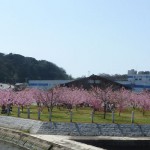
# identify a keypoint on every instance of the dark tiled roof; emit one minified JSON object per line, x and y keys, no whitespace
{"x":94,"y":80}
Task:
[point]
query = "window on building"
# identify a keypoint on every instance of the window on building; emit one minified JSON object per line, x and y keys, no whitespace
{"x":97,"y":81}
{"x":91,"y":81}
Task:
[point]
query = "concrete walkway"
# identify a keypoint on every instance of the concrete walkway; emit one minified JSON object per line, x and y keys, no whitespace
{"x":66,"y":141}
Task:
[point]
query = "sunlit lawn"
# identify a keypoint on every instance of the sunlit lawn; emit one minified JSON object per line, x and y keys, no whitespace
{"x":83,"y":115}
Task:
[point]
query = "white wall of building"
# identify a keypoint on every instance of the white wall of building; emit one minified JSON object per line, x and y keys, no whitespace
{"x":138,"y":81}
{"x":46,"y":84}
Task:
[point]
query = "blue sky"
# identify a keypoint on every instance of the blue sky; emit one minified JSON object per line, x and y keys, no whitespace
{"x":82,"y":36}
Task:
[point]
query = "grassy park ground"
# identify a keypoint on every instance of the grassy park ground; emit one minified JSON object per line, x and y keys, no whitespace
{"x":83,"y":115}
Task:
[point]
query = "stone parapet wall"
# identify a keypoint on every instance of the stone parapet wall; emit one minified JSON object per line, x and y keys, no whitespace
{"x":92,"y":129}
{"x":75,"y":129}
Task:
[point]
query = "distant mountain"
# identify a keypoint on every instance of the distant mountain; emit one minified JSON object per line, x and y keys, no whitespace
{"x":17,"y":68}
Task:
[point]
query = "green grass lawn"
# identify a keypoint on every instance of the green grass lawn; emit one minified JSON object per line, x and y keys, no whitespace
{"x":83,"y":115}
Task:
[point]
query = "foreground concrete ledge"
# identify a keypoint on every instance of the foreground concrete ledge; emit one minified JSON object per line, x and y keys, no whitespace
{"x":75,"y":141}
{"x":35,"y":142}
{"x":108,"y":138}
{"x":67,"y":141}
{"x":26,"y":141}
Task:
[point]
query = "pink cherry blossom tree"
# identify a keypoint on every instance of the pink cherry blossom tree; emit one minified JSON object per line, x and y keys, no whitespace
{"x":104,"y":96}
{"x":6,"y":100}
{"x":23,"y":98}
{"x":133,"y":100}
{"x":144,"y":101}
{"x":121,"y":97}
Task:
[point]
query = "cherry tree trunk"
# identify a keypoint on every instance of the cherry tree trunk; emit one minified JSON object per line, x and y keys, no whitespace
{"x":8,"y":109}
{"x":50,"y":115}
{"x":104,"y":111}
{"x":119,"y":113}
{"x":39,"y":113}
{"x":22,"y":108}
{"x":143,"y":112}
{"x":18,"y":111}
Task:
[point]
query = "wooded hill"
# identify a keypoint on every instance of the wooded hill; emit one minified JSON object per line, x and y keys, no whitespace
{"x":17,"y":68}
{"x":115,"y":77}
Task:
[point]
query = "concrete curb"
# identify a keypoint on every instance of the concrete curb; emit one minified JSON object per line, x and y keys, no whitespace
{"x":27,"y":141}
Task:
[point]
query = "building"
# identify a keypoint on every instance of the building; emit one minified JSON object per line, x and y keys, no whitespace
{"x":138,"y":81}
{"x":4,"y":86}
{"x":86,"y":83}
{"x":46,"y":84}
{"x":94,"y":81}
{"x":20,"y":86}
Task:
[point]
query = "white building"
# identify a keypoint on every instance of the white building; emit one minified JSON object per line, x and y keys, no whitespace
{"x":4,"y":86}
{"x":46,"y":84}
{"x":138,"y":81}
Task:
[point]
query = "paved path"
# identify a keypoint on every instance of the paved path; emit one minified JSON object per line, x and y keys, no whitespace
{"x":26,"y":125}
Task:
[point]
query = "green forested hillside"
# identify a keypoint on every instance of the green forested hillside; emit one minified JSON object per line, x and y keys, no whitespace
{"x":17,"y":68}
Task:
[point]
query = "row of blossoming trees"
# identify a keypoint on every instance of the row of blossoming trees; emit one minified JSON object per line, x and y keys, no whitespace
{"x":97,"y":99}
